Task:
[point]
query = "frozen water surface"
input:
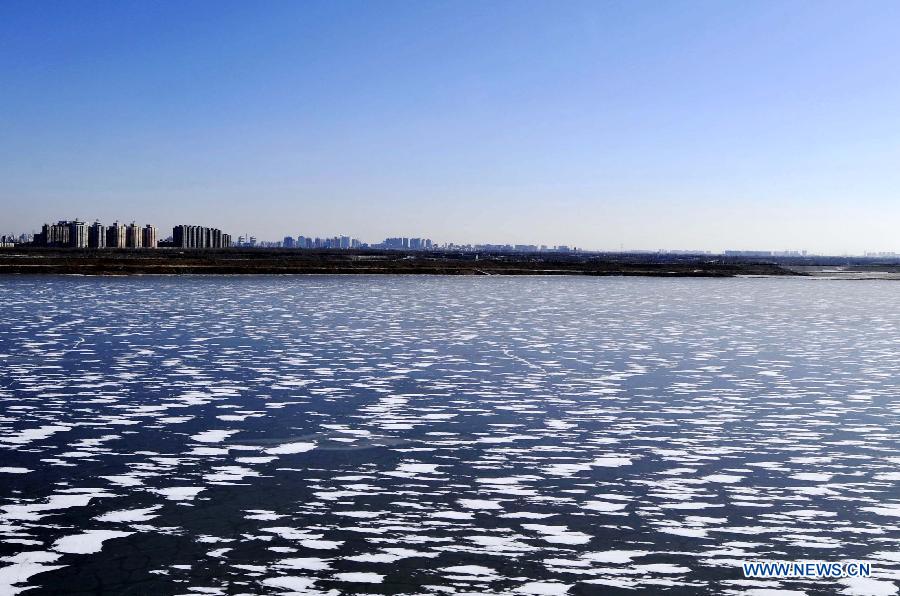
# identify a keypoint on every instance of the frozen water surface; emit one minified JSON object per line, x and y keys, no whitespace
{"x":430,"y":435}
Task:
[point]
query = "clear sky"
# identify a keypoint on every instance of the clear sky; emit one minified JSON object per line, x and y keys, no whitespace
{"x":636,"y":124}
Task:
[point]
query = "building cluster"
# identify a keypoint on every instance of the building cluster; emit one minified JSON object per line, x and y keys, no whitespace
{"x":406,"y":244}
{"x":764,"y":253}
{"x":11,"y":240}
{"x":199,"y":237}
{"x":517,"y":248}
{"x":394,"y":243}
{"x":504,"y":248}
{"x":340,"y":242}
{"x":78,"y":234}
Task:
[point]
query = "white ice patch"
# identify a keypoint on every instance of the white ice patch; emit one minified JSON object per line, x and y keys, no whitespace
{"x":604,"y":506}
{"x":360,"y":577}
{"x":479,"y":504}
{"x":866,"y":586}
{"x":87,"y":542}
{"x":34,"y":434}
{"x":453,"y":515}
{"x":295,"y":585}
{"x":470,"y":570}
{"x":305,"y":563}
{"x":526,"y":515}
{"x":812,"y":476}
{"x":571,"y":469}
{"x":36,"y":511}
{"x":614,"y":556}
{"x":322,"y":544}
{"x":179,"y":493}
{"x":262,"y":515}
{"x":213,"y":436}
{"x":417,"y":468}
{"x":723,"y":478}
{"x":543,"y":589}
{"x":662,"y":568}
{"x":611,"y":461}
{"x":290,"y":448}
{"x":24,"y":565}
{"x":558,"y":534}
{"x":130,"y":515}
{"x":124,"y":480}
{"x":889,"y":510}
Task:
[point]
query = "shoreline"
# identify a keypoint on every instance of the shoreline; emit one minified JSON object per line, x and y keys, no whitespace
{"x":242,"y":261}
{"x":29,"y":261}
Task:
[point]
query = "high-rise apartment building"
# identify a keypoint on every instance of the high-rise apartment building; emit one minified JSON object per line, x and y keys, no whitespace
{"x":149,"y":236}
{"x":115,"y":236}
{"x":78,"y":234}
{"x":97,"y":235}
{"x":54,"y":234}
{"x":199,"y":237}
{"x":396,"y":243}
{"x":133,"y":236}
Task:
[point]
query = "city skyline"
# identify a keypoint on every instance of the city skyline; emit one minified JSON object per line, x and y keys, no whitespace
{"x":80,"y":234}
{"x":277,"y":237}
{"x":243,"y":239}
{"x":192,"y":236}
{"x":606,"y":125}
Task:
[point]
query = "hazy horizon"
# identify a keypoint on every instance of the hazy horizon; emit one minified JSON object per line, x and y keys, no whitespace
{"x":603,"y":125}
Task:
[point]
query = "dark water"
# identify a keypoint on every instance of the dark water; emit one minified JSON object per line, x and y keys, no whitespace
{"x":426,"y":435}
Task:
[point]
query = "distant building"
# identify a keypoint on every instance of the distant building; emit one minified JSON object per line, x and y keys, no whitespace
{"x":288,"y":242}
{"x":115,"y":236}
{"x":200,"y":237}
{"x":246,"y":241}
{"x":78,"y":234}
{"x":134,"y":238}
{"x":748,"y":253}
{"x":149,"y":236}
{"x":97,"y":235}
{"x":53,"y":235}
{"x":406,"y":244}
{"x":396,"y":243}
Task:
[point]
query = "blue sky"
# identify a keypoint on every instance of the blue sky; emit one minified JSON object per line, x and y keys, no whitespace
{"x":633,"y":124}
